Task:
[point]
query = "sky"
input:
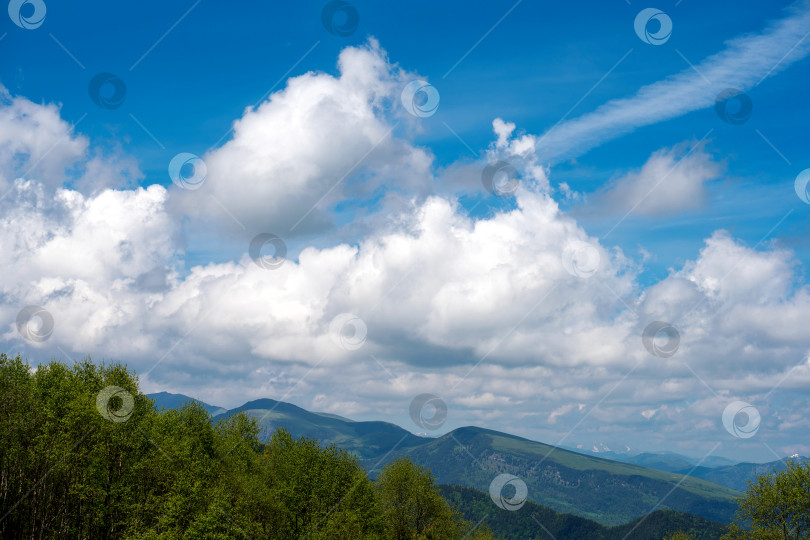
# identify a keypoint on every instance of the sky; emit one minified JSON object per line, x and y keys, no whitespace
{"x":581,"y":223}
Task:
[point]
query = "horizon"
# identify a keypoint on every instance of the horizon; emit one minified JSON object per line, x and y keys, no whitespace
{"x":576,"y":226}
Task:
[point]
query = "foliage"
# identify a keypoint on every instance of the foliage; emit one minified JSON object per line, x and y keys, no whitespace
{"x":412,"y":502}
{"x":680,"y":535}
{"x":67,"y":471}
{"x":776,"y":506}
{"x":534,"y":521}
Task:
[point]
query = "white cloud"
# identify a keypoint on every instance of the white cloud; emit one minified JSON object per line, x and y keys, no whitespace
{"x":446,"y":287}
{"x":562,"y":411}
{"x":34,"y":140}
{"x":742,"y":64}
{"x":731,"y":272}
{"x":318,"y":140}
{"x":84,"y":259}
{"x":672,"y":180}
{"x":649,"y":413}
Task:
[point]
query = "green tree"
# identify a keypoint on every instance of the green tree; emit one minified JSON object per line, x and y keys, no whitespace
{"x":321,"y":489}
{"x":73,"y":465}
{"x":66,"y":470}
{"x":412,"y":505}
{"x":776,"y":506}
{"x":680,"y":535}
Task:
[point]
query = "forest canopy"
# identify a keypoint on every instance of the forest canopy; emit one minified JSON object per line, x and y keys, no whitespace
{"x":83,"y":453}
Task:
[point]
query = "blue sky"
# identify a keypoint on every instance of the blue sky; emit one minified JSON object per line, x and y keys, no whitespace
{"x":192,"y":69}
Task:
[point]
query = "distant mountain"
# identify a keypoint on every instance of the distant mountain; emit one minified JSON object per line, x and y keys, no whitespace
{"x":714,"y":461}
{"x":165,"y":400}
{"x":737,"y":476}
{"x":663,"y":461}
{"x":605,"y":491}
{"x":720,"y":470}
{"x":364,"y":439}
{"x":602,"y":490}
{"x":533,"y":521}
{"x":606,"y":454}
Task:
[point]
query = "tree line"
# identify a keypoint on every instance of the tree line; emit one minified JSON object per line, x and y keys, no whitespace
{"x":84,"y":454}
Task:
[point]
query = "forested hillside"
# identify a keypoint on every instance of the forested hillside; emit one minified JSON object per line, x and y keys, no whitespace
{"x":535,"y":521}
{"x":606,"y":491}
{"x":84,"y":454}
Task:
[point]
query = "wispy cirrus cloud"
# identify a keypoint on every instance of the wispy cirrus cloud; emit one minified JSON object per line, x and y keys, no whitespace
{"x":743,"y":64}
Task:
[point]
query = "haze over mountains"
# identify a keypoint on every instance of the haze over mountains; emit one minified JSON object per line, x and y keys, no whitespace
{"x":608,"y":491}
{"x":714,"y":468}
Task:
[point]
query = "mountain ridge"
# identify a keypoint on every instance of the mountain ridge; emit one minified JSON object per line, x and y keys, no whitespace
{"x":604,"y":490}
{"x":565,"y":481}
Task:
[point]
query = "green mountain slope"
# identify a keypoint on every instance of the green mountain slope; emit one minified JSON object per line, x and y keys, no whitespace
{"x":367,"y":440}
{"x":609,"y":492}
{"x":605,"y":491}
{"x":534,"y":521}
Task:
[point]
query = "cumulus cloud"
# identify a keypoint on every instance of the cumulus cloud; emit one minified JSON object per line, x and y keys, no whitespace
{"x":35,"y":140}
{"x":86,"y":260}
{"x":673,"y":180}
{"x":433,"y":284}
{"x":317,"y":141}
